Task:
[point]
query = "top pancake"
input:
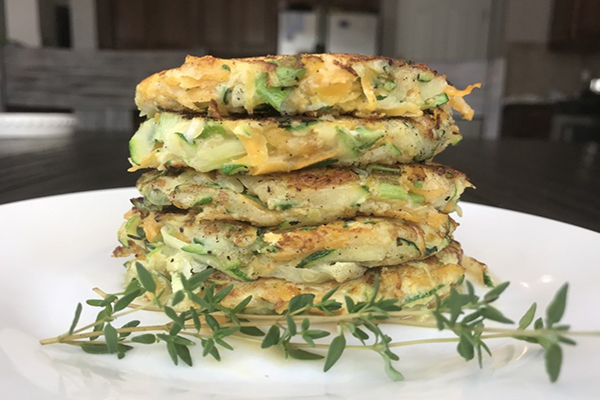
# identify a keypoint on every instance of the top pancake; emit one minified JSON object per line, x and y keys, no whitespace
{"x":306,"y":84}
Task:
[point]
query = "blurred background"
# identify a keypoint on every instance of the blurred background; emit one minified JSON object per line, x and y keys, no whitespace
{"x":539,"y":61}
{"x":68,"y":70}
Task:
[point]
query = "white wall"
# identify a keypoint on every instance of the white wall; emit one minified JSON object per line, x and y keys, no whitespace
{"x":444,"y":31}
{"x":298,"y":31}
{"x":84,"y":29}
{"x":22,"y":22}
{"x":387,"y":16}
{"x":454,"y":37}
{"x":528,"y":20}
{"x":351,"y":32}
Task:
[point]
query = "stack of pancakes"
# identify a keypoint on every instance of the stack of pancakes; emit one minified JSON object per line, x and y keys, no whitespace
{"x":295,"y":174}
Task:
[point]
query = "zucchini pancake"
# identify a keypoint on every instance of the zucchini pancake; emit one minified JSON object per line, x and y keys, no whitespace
{"x":305,"y":84}
{"x":415,"y":192}
{"x":414,"y":283}
{"x":186,"y":243}
{"x":296,"y":174}
{"x":266,"y":145}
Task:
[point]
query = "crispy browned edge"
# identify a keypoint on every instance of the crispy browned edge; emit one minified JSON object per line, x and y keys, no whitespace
{"x":325,"y":177}
{"x":343,"y":60}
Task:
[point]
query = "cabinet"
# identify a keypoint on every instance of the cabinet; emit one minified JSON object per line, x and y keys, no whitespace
{"x":226,"y":28}
{"x":575,"y":26}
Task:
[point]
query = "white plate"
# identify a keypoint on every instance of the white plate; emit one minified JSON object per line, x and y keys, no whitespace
{"x":54,"y":250}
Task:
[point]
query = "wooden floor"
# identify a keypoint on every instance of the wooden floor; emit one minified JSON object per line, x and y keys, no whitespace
{"x":553,"y":180}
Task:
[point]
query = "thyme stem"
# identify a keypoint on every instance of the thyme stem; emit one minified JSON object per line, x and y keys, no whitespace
{"x":206,"y":319}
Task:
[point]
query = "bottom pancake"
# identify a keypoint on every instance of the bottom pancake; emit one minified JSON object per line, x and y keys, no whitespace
{"x":413,"y":283}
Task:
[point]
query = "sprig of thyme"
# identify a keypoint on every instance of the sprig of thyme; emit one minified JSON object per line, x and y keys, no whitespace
{"x":296,"y":333}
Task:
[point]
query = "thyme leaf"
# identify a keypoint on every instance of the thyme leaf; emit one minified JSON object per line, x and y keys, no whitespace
{"x":196,"y":315}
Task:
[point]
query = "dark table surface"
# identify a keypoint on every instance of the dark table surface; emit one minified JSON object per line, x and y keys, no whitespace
{"x":553,"y":180}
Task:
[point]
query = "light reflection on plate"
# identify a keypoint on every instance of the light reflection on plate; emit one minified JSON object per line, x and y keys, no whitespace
{"x":56,"y":249}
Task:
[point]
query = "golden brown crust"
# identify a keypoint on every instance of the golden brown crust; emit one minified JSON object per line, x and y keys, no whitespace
{"x":342,"y":59}
{"x":337,"y":84}
{"x":319,"y":178}
{"x":333,"y":235}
